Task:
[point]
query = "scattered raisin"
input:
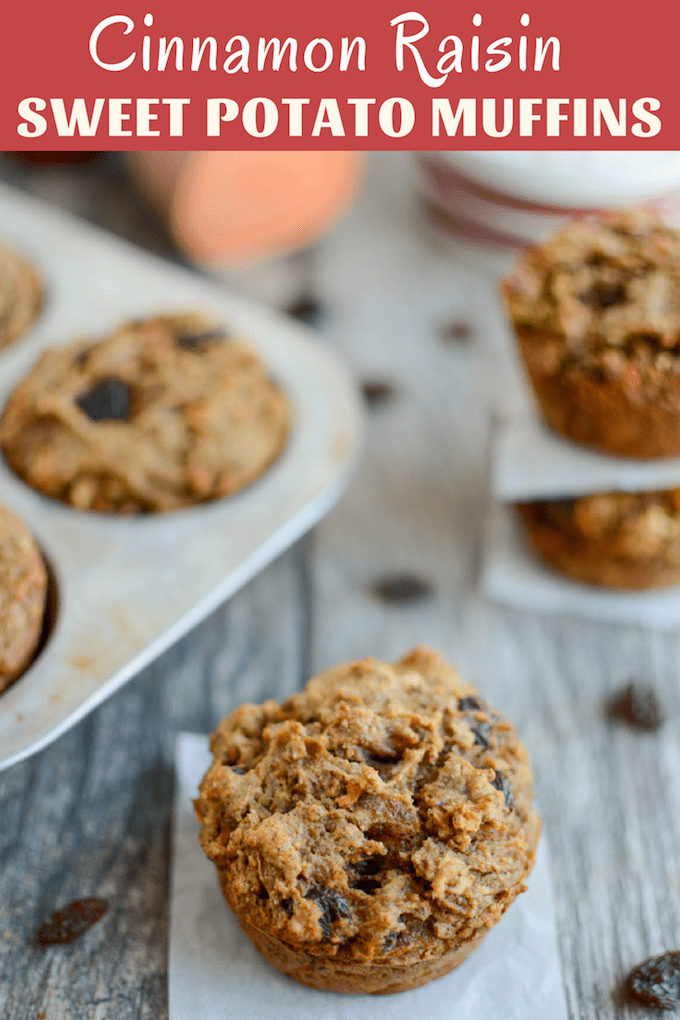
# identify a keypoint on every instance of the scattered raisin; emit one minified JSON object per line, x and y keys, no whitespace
{"x":109,"y":400}
{"x":401,"y":588}
{"x":482,"y":734}
{"x":656,"y":981}
{"x":306,"y":309}
{"x":71,"y":921}
{"x":501,"y":783}
{"x":262,"y":893}
{"x":456,"y":333}
{"x":468,"y":705}
{"x":377,"y":393}
{"x":287,"y":906}
{"x":333,"y":906}
{"x":639,"y":705}
{"x":200,"y":341}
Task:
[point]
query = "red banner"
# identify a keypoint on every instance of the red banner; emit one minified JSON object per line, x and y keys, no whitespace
{"x":384,"y":75}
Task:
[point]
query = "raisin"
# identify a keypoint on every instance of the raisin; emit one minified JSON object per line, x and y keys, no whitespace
{"x":333,"y":906}
{"x":262,"y":893}
{"x":604,"y":295}
{"x":199,"y":341}
{"x":71,"y":921}
{"x":367,"y":885}
{"x":501,"y":783}
{"x":391,"y":940}
{"x":639,"y":705}
{"x":656,"y":981}
{"x":456,"y":333}
{"x":468,"y":705}
{"x":401,"y":588}
{"x":109,"y":400}
{"x":377,"y":393}
{"x":368,"y":866}
{"x":306,"y":309}
{"x":287,"y":906}
{"x":482,"y":734}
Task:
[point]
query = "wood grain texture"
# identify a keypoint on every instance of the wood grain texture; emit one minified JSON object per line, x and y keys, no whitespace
{"x":90,"y":815}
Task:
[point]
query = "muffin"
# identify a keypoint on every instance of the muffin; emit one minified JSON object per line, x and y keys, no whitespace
{"x":597,"y":315}
{"x":628,"y":540}
{"x":23,"y":590}
{"x":162,"y":414}
{"x":21,"y":295}
{"x":370,"y":830}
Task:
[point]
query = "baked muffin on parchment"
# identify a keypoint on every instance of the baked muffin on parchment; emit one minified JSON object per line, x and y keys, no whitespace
{"x":164,"y":413}
{"x":23,"y":590}
{"x":627,"y":540}
{"x":370,"y":830}
{"x":596,"y":311}
{"x":21,"y":295}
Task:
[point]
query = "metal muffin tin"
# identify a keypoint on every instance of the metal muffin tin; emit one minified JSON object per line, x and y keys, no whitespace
{"x":130,"y":587}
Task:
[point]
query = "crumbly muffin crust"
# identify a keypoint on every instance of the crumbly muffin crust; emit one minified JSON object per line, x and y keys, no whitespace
{"x":597,"y":315}
{"x":613,"y":539}
{"x":164,"y":413}
{"x":21,"y":295}
{"x":371,"y":829}
{"x":23,"y":589}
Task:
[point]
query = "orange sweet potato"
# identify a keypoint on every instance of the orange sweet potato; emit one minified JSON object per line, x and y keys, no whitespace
{"x":232,"y":208}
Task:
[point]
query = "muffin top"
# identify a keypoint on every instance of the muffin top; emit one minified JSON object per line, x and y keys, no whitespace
{"x":23,"y":586}
{"x":609,"y":281}
{"x":164,"y":413}
{"x":631,"y":525}
{"x":383,"y":813}
{"x":20,"y":295}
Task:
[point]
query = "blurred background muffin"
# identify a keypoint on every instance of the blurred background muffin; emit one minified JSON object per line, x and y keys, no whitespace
{"x":596,"y":311}
{"x":23,"y":591}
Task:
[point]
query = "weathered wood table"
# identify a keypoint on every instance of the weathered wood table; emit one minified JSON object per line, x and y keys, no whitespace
{"x":90,"y":816}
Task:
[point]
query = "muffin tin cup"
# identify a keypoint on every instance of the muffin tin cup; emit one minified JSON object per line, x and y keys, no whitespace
{"x":128,"y":588}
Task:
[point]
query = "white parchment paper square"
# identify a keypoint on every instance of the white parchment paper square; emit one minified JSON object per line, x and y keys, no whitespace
{"x":216,"y":974}
{"x":528,"y":461}
{"x":512,"y":575}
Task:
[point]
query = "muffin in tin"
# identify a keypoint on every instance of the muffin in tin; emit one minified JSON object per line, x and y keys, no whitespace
{"x":596,"y":311}
{"x":164,"y":413}
{"x":370,"y":830}
{"x":21,"y":295}
{"x":23,"y":592}
{"x":627,"y":540}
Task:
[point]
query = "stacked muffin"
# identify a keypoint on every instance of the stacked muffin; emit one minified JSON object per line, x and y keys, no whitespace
{"x":597,"y":316}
